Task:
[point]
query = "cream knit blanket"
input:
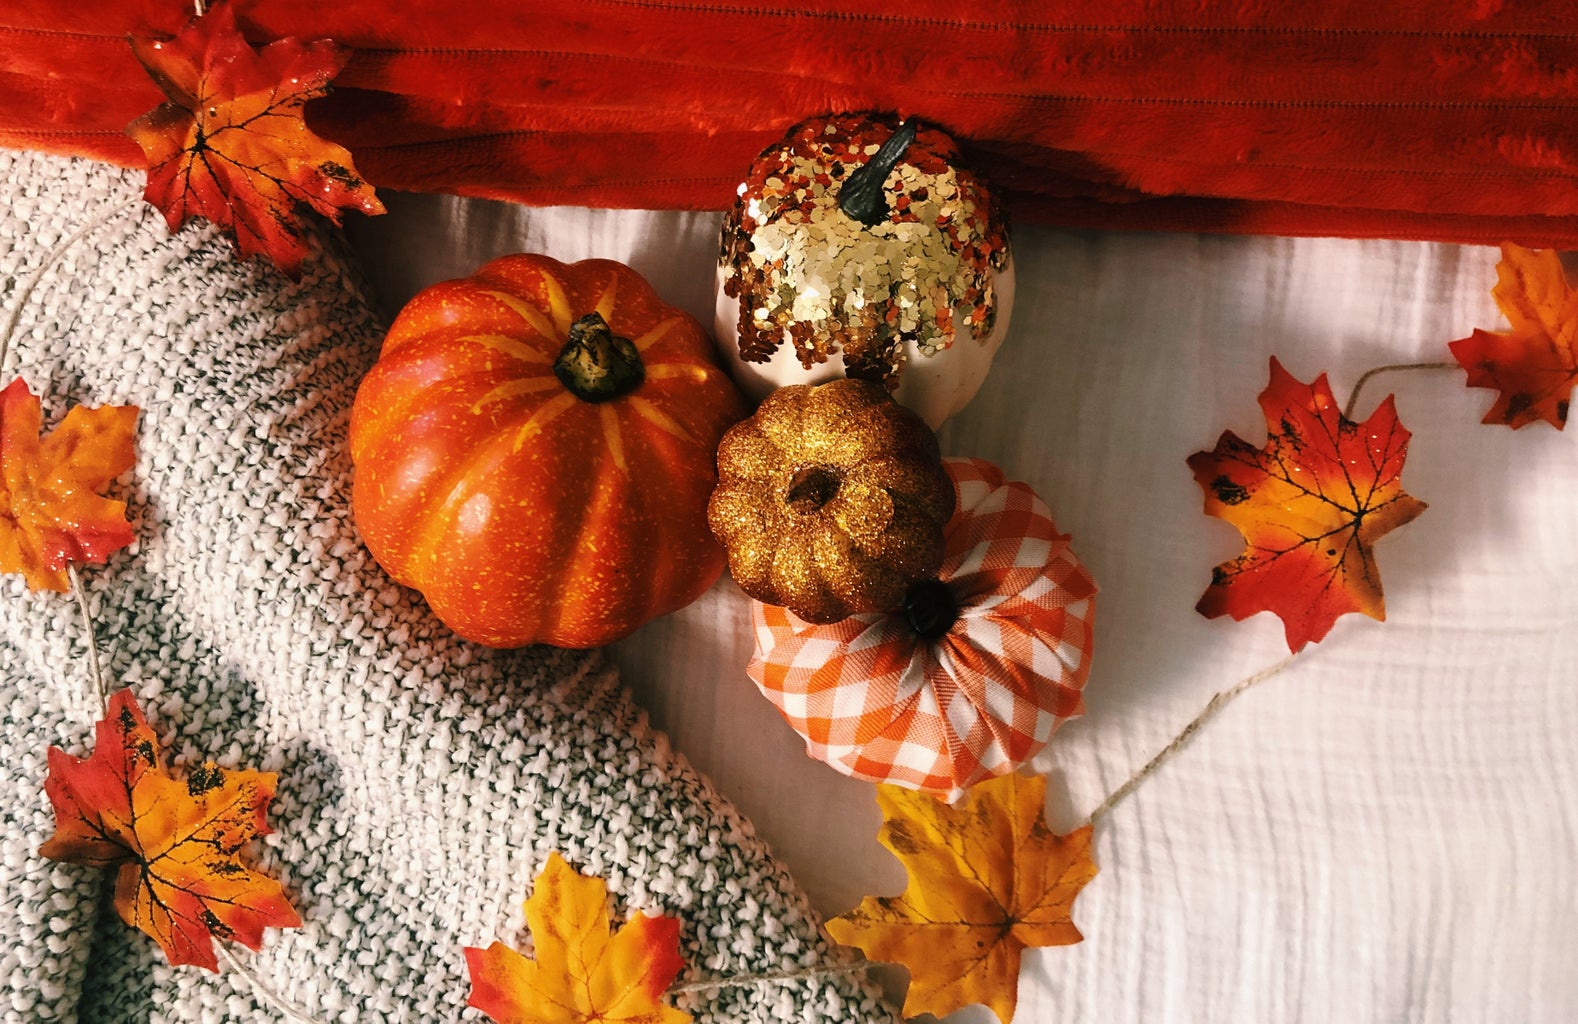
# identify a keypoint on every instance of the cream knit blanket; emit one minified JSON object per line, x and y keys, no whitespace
{"x":422,"y":780}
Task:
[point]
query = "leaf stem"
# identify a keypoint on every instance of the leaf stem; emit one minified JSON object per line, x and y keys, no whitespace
{"x":263,"y":992}
{"x":1353,"y":396}
{"x":26,"y":291}
{"x":1216,"y":704}
{"x":94,"y":668}
{"x":773,"y":978}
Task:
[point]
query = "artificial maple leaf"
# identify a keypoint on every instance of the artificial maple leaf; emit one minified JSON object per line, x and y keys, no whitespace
{"x":51,"y":511}
{"x":1310,"y":505}
{"x":1534,"y":365}
{"x":986,"y":879}
{"x":583,"y":971}
{"x":176,"y":841}
{"x":232,"y":144}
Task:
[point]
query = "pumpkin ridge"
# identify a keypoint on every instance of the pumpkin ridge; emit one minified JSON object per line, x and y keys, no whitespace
{"x":648,"y":411}
{"x":508,"y":346}
{"x":429,"y":538}
{"x":532,"y":318}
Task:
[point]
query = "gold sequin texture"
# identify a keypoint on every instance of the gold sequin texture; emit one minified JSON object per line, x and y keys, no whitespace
{"x":801,"y":268}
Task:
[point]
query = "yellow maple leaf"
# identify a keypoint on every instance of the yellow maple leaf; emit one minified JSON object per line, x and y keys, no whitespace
{"x":986,"y":879}
{"x":583,"y":971}
{"x":52,"y":511}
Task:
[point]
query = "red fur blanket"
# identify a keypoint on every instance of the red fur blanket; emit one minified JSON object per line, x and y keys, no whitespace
{"x":1404,"y":118}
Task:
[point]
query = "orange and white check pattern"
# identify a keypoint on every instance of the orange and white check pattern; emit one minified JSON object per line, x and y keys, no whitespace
{"x":877,"y":701}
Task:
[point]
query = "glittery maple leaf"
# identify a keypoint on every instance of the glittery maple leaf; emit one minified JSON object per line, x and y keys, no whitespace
{"x":1534,"y":365}
{"x":1310,"y":504}
{"x":175,"y":841}
{"x":51,"y":511}
{"x":232,"y":146}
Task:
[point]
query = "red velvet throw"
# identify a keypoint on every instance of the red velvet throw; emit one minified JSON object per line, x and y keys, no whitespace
{"x":1433,"y":119}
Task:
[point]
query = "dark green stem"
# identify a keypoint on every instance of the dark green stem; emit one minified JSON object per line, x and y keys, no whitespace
{"x":862,"y":197}
{"x":597,"y":365}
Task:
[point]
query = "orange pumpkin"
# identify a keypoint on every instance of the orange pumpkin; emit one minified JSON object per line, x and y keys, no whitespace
{"x":534,"y":451}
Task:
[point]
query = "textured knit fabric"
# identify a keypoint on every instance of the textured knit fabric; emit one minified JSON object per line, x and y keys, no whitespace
{"x":422,"y":780}
{"x":1411,"y":118}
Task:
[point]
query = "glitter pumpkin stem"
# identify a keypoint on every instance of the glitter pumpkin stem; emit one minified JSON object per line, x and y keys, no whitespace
{"x":812,"y":487}
{"x":862,"y":196}
{"x":597,"y":365}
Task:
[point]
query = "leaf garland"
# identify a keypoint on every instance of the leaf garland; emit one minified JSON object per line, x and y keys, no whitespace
{"x":987,"y":879}
{"x":1534,"y":365}
{"x":583,"y":971}
{"x":175,"y":841}
{"x":52,"y":511}
{"x":1311,"y":503}
{"x":232,"y":144}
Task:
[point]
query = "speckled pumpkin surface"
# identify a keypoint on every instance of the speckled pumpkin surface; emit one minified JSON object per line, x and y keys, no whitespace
{"x":831,"y":500}
{"x":534,"y":452}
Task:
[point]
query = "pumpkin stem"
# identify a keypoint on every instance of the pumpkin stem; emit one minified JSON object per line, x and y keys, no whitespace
{"x":811,"y":487}
{"x":596,"y":364}
{"x":930,"y":608}
{"x":862,"y":197}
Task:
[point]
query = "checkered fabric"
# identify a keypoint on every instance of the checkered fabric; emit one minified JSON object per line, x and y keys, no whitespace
{"x":877,"y":701}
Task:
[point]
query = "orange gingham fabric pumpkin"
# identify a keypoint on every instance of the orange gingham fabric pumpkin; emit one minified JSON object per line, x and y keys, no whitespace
{"x":876,"y":699}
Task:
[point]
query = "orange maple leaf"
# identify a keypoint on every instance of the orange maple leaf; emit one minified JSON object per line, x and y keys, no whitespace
{"x":176,"y":840}
{"x":51,"y":511}
{"x":986,"y":879}
{"x":232,"y":145}
{"x":583,"y":971}
{"x":1310,"y":505}
{"x":1534,"y":365}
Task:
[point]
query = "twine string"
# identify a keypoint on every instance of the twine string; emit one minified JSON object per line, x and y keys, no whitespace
{"x":95,"y":669}
{"x":288,"y":1010}
{"x":770,"y":978}
{"x":1216,"y":704}
{"x":26,"y":291}
{"x":1353,"y":396}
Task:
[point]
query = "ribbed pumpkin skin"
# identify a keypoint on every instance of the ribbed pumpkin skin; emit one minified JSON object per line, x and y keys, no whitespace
{"x":521,"y":512}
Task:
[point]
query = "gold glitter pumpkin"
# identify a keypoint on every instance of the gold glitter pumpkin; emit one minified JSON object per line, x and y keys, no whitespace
{"x":861,"y":246}
{"x":831,"y":500}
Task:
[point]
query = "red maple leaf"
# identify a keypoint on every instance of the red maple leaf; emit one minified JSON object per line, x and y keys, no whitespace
{"x":51,"y":512}
{"x":1534,"y":365}
{"x":232,"y":145}
{"x":1310,"y":504}
{"x":176,"y":841}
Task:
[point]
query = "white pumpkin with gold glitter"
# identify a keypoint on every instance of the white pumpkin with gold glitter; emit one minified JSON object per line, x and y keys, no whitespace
{"x":859,"y":247}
